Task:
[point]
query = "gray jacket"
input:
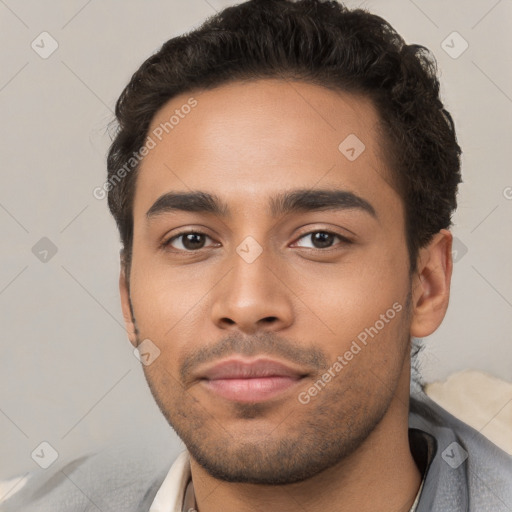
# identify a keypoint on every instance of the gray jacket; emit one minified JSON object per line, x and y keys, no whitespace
{"x":465,"y":472}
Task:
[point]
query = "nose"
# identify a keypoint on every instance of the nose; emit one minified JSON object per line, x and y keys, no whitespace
{"x":252,"y":296}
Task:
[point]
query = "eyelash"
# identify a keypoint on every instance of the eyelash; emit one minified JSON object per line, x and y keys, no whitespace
{"x":166,"y":243}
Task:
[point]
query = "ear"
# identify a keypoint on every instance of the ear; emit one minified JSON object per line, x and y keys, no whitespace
{"x":431,"y":285}
{"x":125,"y":303}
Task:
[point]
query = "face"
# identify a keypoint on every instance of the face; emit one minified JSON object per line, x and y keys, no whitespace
{"x":279,"y":296}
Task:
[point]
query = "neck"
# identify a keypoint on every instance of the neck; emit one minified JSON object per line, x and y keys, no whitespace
{"x":380,"y":474}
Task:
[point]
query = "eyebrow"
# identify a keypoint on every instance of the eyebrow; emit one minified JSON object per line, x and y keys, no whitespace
{"x":294,"y":201}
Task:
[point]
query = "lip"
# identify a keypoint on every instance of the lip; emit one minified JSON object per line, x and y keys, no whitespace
{"x":250,"y":380}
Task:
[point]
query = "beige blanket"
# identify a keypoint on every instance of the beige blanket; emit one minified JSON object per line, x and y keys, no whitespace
{"x":480,"y":400}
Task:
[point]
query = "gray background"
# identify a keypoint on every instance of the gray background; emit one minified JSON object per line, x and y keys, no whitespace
{"x":68,"y":374}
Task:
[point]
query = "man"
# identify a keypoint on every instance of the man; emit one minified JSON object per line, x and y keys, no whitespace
{"x":283,"y":179}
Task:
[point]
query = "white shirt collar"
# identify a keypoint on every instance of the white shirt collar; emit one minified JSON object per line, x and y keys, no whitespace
{"x":169,"y":497}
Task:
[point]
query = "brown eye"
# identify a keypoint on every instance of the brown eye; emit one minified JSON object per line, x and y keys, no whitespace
{"x":322,"y":239}
{"x":189,"y":241}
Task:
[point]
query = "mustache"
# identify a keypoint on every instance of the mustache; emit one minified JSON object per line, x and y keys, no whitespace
{"x":266,"y":344}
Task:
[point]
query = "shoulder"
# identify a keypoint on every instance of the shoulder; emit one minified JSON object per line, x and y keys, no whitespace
{"x":465,"y":464}
{"x":111,"y":479}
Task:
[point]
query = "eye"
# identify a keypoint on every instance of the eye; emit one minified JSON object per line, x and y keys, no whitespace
{"x":192,"y":241}
{"x":187,"y":241}
{"x":322,"y":239}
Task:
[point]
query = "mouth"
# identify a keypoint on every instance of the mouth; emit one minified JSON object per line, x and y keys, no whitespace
{"x":250,"y":381}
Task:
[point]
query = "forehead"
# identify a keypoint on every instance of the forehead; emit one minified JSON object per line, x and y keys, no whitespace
{"x":244,"y":141}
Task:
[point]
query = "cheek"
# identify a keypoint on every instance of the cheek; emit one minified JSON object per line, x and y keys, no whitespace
{"x":344,"y":300}
{"x":363,"y":317}
{"x":164,"y":297}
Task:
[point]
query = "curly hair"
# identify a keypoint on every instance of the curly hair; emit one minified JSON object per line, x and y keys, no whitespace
{"x":318,"y":42}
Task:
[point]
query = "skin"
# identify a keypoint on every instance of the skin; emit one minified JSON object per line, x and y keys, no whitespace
{"x":299,"y":302}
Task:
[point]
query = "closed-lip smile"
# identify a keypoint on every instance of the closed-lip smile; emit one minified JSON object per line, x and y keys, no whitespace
{"x":252,"y":380}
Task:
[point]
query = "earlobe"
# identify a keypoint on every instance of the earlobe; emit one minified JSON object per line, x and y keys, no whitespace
{"x":431,"y":285}
{"x":125,"y":305}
